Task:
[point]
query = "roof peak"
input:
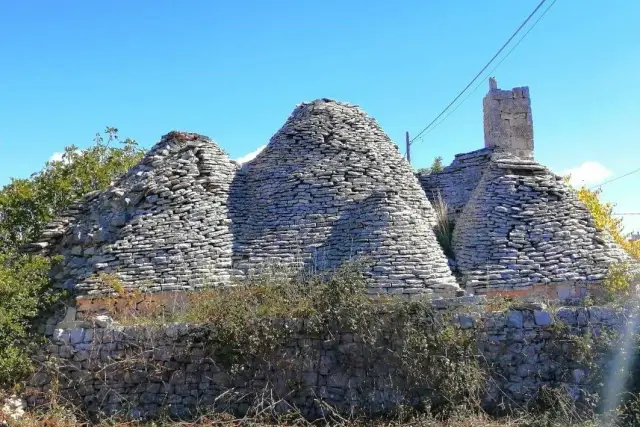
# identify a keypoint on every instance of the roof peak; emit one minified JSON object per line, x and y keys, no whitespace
{"x":179,"y":136}
{"x":326,"y":102}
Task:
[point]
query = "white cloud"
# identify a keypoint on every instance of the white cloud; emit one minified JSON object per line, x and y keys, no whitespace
{"x":588,"y":173}
{"x":56,"y":157}
{"x":250,"y":156}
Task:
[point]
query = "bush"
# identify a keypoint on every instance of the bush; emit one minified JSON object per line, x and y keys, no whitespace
{"x":250,"y":323}
{"x":621,"y":281}
{"x":26,"y":206}
{"x":620,"y":284}
{"x":24,"y":292}
{"x":605,"y":220}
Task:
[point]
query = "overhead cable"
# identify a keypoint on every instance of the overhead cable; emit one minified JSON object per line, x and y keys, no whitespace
{"x":481,"y":71}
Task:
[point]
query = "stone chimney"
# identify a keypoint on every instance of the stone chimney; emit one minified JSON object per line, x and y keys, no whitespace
{"x":508,"y":125}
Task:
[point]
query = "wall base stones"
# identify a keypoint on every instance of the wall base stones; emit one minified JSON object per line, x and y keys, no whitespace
{"x":145,"y":370}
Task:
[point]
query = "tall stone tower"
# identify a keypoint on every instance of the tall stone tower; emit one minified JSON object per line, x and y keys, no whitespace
{"x":508,"y":125}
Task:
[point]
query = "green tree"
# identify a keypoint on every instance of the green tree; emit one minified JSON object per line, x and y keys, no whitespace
{"x":24,"y":292}
{"x":605,"y":220}
{"x":26,"y":205}
{"x":435,"y":167}
{"x":622,"y":280}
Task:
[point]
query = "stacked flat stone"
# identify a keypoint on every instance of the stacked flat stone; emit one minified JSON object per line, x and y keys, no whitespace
{"x":456,"y":182}
{"x":523,"y":226}
{"x":331,"y":187}
{"x":144,"y":369}
{"x":163,"y":226}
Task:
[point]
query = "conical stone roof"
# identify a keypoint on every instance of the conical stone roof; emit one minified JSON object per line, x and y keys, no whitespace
{"x":523,"y":226}
{"x":163,"y":226}
{"x":331,"y":187}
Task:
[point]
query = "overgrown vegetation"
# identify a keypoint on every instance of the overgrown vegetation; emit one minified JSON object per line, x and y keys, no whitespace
{"x":252,"y":321}
{"x":605,"y":220}
{"x":65,"y":418}
{"x":23,"y":293}
{"x":622,"y":280}
{"x":444,"y":225}
{"x":246,"y":324}
{"x":441,"y":363}
{"x":26,"y":205}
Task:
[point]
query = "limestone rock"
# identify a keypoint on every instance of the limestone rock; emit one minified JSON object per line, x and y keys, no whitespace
{"x":523,"y":226}
{"x":330,"y":187}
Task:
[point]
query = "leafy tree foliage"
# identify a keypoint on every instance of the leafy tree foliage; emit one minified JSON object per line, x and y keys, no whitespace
{"x":622,"y":280}
{"x":26,"y":205}
{"x":605,"y":220}
{"x":24,"y":291}
{"x":436,"y":166}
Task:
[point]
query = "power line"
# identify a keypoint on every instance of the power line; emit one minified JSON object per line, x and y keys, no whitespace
{"x":615,"y":179}
{"x":626,"y":213}
{"x":493,"y":69}
{"x":482,"y":70}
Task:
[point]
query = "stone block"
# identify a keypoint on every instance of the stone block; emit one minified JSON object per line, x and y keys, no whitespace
{"x":466,"y":322}
{"x":515,"y":319}
{"x":76,"y":336}
{"x":543,"y":318}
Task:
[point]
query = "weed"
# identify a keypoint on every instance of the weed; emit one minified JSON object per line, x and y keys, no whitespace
{"x":444,"y":225}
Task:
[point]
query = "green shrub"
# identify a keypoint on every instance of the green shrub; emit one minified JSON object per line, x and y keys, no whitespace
{"x":621,"y":283}
{"x":24,"y":292}
{"x":252,"y":321}
{"x":435,"y":167}
{"x":26,"y":206}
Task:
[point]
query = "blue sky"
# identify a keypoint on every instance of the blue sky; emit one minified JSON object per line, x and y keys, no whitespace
{"x":235,"y":70}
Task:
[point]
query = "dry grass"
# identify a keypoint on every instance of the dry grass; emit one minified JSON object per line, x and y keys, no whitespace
{"x":62,"y":419}
{"x":444,"y":225}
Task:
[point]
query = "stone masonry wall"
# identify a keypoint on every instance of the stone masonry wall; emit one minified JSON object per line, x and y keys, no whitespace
{"x":523,"y":227}
{"x":163,"y":226}
{"x":456,"y":182}
{"x":508,"y":124}
{"x":329,"y":187}
{"x":141,"y":370}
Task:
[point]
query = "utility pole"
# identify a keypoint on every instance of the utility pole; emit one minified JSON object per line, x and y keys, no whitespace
{"x":408,"y":147}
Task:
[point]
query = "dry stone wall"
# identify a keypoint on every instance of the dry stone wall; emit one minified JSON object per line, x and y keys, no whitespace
{"x":139,"y":370}
{"x":163,"y":226}
{"x":523,"y":226}
{"x":330,"y":187}
{"x":456,"y":182}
